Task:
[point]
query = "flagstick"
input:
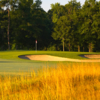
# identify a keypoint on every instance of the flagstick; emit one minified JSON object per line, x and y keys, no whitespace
{"x":36,"y":45}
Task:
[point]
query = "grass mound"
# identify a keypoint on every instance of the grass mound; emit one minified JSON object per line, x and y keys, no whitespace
{"x":66,"y":82}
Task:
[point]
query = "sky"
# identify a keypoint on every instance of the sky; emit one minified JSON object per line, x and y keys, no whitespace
{"x":46,"y":3}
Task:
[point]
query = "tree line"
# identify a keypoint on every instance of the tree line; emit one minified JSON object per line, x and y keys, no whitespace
{"x":69,"y":27}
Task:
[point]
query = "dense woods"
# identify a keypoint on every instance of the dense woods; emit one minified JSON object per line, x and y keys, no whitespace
{"x":69,"y":27}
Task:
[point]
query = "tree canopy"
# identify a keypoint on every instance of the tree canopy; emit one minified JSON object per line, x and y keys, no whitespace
{"x":71,"y":26}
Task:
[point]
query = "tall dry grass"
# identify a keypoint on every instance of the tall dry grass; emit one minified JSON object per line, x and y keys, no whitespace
{"x":66,"y":82}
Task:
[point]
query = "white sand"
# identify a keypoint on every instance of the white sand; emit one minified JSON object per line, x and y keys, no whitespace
{"x":92,"y":56}
{"x":54,"y":58}
{"x":48,"y":58}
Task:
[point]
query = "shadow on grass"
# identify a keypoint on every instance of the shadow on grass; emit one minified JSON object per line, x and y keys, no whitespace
{"x":23,"y":57}
{"x":83,"y":55}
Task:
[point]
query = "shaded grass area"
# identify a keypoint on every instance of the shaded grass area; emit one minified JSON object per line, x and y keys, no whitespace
{"x":74,"y":81}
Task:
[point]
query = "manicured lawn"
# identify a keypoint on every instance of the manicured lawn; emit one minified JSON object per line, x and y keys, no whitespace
{"x":13,"y":55}
{"x":8,"y":66}
{"x":10,"y":63}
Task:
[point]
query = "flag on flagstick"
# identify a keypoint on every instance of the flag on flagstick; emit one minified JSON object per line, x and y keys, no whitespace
{"x":36,"y":41}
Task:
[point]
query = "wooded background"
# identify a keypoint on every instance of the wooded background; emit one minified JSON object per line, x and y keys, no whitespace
{"x":69,"y":27}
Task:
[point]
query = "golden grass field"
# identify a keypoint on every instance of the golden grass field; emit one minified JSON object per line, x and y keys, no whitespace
{"x":76,"y":81}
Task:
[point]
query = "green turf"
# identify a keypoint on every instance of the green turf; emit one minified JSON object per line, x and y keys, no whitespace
{"x":13,"y":55}
{"x":10,"y":63}
{"x":15,"y":66}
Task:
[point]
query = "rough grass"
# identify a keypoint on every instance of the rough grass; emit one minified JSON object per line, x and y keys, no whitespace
{"x":77,"y":81}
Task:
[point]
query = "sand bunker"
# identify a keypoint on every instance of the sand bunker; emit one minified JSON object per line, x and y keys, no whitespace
{"x":45,"y":58}
{"x":53,"y":58}
{"x":91,"y":56}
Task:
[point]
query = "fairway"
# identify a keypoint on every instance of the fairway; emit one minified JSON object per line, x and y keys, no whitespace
{"x":10,"y":63}
{"x":17,"y":67}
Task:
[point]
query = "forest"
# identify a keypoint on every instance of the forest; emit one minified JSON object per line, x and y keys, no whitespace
{"x":69,"y":27}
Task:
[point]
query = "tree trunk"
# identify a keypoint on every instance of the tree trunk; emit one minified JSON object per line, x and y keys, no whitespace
{"x":63,"y":45}
{"x":83,"y":49}
{"x":90,"y":49}
{"x":8,"y":28}
{"x":69,"y":46}
{"x":78,"y":48}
